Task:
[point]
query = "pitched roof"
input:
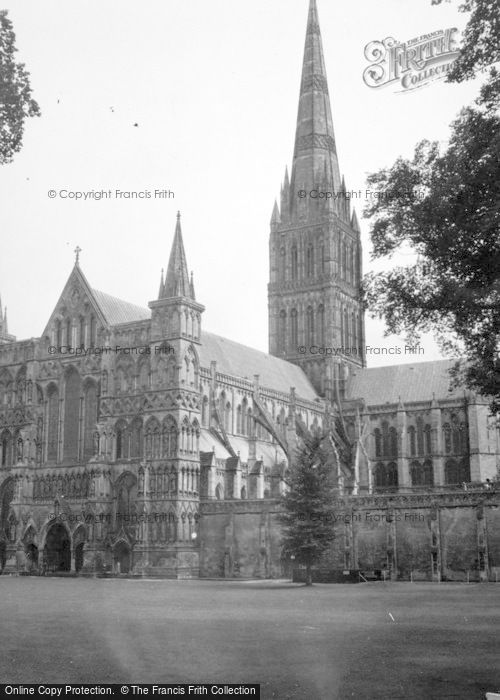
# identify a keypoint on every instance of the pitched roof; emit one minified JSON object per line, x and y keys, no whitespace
{"x":412,"y":382}
{"x":241,"y":361}
{"x":118,"y":311}
{"x":232,"y":358}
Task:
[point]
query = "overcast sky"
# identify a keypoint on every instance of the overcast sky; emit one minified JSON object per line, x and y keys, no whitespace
{"x":213,"y":88}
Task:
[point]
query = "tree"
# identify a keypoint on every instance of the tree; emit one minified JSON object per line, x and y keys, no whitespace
{"x":481,"y":41}
{"x":445,"y":205}
{"x":16,"y":103}
{"x":307,"y":516}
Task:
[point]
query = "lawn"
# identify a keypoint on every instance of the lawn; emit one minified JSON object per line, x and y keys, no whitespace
{"x":375,"y":640}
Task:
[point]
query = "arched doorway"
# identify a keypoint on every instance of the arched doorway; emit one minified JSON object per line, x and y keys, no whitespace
{"x":122,"y":558}
{"x":31,"y":551}
{"x":58,"y":549}
{"x":79,"y":538}
{"x":79,"y":557}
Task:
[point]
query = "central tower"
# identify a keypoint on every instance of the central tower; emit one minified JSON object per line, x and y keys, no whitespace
{"x":315,"y":314}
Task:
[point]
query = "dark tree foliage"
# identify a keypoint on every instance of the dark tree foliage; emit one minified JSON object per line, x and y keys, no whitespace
{"x":307,"y":516}
{"x":481,"y":40}
{"x":16,"y":103}
{"x":444,"y":205}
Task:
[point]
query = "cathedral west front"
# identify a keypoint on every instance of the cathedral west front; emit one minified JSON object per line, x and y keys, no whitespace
{"x":133,"y":441}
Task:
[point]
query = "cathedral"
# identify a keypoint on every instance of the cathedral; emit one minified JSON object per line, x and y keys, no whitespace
{"x":135,"y":442}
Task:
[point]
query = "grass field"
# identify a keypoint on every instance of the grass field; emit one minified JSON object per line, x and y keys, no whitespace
{"x":377,"y":640}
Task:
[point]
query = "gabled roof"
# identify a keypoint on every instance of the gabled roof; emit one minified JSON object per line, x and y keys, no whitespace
{"x":411,"y":382}
{"x":118,"y":311}
{"x":239,"y":360}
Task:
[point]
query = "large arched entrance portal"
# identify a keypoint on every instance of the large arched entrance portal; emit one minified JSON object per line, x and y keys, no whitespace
{"x":122,"y":558}
{"x":58,"y":549}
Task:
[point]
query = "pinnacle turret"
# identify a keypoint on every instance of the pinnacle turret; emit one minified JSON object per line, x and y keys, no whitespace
{"x":177,"y":283}
{"x":5,"y":337}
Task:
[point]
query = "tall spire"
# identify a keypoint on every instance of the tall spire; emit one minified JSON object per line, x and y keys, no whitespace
{"x":315,"y":154}
{"x":177,"y":283}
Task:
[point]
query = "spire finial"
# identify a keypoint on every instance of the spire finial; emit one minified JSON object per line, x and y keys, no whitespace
{"x":77,"y":252}
{"x":177,"y":279}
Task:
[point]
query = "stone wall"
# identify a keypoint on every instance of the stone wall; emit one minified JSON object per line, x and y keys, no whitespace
{"x":447,"y":536}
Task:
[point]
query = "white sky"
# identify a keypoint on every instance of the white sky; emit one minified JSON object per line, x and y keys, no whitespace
{"x":214,"y":88}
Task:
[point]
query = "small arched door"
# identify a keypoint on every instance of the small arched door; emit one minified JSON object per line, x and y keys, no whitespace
{"x":79,"y":556}
{"x":122,"y":558}
{"x":58,"y":549}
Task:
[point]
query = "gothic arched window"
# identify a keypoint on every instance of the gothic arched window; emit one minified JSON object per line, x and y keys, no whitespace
{"x":282,"y":331}
{"x":282,"y":264}
{"x":355,"y":335}
{"x":244,"y":424}
{"x":378,"y":442}
{"x":90,"y":411}
{"x":69,"y":339}
{"x":294,"y":259}
{"x":393,"y":442}
{"x":71,"y":416}
{"x":6,"y":440}
{"x":420,"y":436}
{"x":412,"y":442}
{"x":92,"y":331}
{"x":250,"y":423}
{"x":121,"y":440}
{"x":427,"y":440}
{"x":343,"y":272}
{"x":310,"y":261}
{"x":136,"y":439}
{"x":385,"y":438}
{"x":421,"y":474}
{"x":294,"y":330}
{"x":447,"y":438}
{"x":310,"y":326}
{"x":58,"y":334}
{"x":81,"y":332}
{"x":53,"y":423}
{"x":321,"y":325}
{"x":386,"y":475}
{"x":456,"y":472}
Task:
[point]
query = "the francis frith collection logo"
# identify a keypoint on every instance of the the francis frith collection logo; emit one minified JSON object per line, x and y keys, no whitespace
{"x":411,"y":64}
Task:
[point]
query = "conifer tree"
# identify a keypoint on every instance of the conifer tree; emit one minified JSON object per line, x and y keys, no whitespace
{"x":308,"y":504}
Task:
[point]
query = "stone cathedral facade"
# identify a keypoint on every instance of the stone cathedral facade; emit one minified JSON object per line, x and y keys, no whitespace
{"x":133,"y":441}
